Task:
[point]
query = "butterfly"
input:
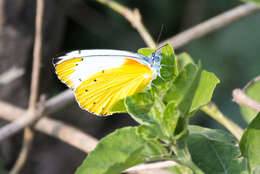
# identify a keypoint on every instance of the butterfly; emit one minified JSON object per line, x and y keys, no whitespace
{"x":100,"y":77}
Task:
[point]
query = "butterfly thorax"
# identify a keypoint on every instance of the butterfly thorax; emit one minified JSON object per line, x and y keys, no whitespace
{"x":154,"y":62}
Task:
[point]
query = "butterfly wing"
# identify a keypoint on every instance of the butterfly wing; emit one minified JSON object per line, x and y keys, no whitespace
{"x":99,"y":81}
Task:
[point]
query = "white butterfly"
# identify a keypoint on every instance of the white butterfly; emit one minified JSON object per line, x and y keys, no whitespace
{"x":100,"y":78}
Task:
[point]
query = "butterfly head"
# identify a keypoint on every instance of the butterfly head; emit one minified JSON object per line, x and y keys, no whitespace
{"x":156,"y":58}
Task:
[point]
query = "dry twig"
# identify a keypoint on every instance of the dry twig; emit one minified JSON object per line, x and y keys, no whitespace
{"x":211,"y":25}
{"x":134,"y":17}
{"x":51,"y":127}
{"x":37,"y":52}
{"x":241,"y":98}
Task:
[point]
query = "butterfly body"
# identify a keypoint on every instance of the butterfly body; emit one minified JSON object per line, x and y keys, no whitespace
{"x":100,"y":78}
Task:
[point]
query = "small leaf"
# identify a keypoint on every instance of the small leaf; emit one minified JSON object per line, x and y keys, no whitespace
{"x":183,"y":60}
{"x":146,"y":51}
{"x":136,"y":106}
{"x":215,"y":151}
{"x":204,"y":91}
{"x":181,"y":85}
{"x":119,"y":107}
{"x":120,"y":150}
{"x":170,"y":118}
{"x":169,"y":70}
{"x":157,"y":109}
{"x":192,"y":89}
{"x":250,"y":143}
{"x":254,"y":93}
{"x":148,"y":132}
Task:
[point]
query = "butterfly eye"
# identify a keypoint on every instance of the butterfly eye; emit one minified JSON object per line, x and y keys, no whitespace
{"x":153,"y":55}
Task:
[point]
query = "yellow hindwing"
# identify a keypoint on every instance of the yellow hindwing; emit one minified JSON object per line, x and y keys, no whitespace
{"x":102,"y":90}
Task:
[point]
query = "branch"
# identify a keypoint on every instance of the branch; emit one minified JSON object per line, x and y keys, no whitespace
{"x":11,"y":75}
{"x":51,"y":127}
{"x":256,"y":79}
{"x":211,"y":25}
{"x":37,"y":52}
{"x":240,"y":97}
{"x":212,"y":110}
{"x":134,"y":17}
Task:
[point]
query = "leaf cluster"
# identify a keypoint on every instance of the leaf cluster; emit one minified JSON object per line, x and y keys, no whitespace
{"x":163,"y":111}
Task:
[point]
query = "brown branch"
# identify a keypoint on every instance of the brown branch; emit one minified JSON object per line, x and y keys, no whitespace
{"x":254,"y":80}
{"x":133,"y":17}
{"x":51,"y":127}
{"x":60,"y":101}
{"x":242,"y":99}
{"x":37,"y":52}
{"x":211,"y":25}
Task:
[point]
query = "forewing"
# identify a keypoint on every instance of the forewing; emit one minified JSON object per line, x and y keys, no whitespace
{"x":75,"y":67}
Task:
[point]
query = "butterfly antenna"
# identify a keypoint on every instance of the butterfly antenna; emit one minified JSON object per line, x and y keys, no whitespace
{"x":160,"y":34}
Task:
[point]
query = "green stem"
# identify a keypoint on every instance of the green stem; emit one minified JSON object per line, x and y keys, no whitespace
{"x":182,"y":156}
{"x":213,"y":111}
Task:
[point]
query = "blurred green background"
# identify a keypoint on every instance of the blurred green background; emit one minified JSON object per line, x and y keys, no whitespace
{"x":232,"y":52}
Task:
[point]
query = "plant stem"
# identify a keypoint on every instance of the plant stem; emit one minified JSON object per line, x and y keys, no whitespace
{"x":182,"y":156}
{"x":213,"y":111}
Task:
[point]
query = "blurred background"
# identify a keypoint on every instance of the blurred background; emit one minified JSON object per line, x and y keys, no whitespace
{"x":232,"y":53}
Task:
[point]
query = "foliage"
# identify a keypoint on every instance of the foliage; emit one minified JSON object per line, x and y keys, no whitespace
{"x":163,"y":111}
{"x":250,"y":144}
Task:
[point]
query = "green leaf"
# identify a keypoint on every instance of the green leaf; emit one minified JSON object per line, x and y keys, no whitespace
{"x":170,"y":119}
{"x":183,"y":60}
{"x":138,"y":106}
{"x":192,"y":89}
{"x":169,"y":70}
{"x":204,"y":91}
{"x":250,"y":144}
{"x":254,"y":93}
{"x":178,"y":169}
{"x":157,"y":109}
{"x":181,"y":85}
{"x":215,"y":151}
{"x":257,"y":2}
{"x":120,"y":150}
{"x":148,"y":132}
{"x":119,"y":107}
{"x":146,"y":51}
